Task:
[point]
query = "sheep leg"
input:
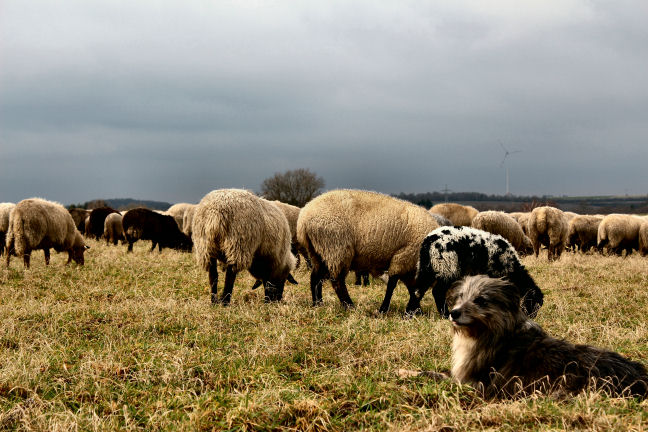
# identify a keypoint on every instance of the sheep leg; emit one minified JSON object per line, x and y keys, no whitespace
{"x":414,"y":303}
{"x":160,"y":247}
{"x":46,"y":252}
{"x":26,"y":258}
{"x":439,"y":292}
{"x":339,"y":285}
{"x":153,"y":246}
{"x":213,"y":280}
{"x":130,"y":246}
{"x":230,"y":277}
{"x":317,"y":276}
{"x":391,"y":285}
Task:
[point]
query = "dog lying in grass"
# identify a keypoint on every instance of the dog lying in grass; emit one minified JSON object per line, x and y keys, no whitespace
{"x":501,"y":352}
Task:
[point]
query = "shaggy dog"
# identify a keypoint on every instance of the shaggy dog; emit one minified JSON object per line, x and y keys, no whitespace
{"x":502,"y":353}
{"x":498,"y":349}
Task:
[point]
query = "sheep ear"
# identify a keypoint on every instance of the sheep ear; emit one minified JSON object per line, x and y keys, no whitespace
{"x":291,"y":279}
{"x":87,"y":247}
{"x":257,"y":284}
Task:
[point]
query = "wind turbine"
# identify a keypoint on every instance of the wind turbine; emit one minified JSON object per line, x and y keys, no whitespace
{"x":503,"y":163}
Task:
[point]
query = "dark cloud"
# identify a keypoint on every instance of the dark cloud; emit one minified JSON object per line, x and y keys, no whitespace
{"x":161,"y":100}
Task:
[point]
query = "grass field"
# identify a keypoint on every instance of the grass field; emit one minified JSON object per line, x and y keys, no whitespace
{"x":132,"y":342}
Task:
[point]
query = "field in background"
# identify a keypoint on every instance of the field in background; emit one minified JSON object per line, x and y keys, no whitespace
{"x":132,"y":342}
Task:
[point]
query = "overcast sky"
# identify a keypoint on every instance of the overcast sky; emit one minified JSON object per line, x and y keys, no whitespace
{"x":167,"y":100}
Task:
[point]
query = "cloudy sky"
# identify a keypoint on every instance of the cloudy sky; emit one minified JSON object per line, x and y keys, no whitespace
{"x":167,"y":100}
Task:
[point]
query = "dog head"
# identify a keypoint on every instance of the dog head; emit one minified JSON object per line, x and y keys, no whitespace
{"x":481,"y":305}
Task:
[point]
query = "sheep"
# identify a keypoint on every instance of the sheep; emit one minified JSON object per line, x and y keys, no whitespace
{"x":113,"y":229}
{"x":447,"y":254}
{"x":582,"y":231}
{"x":363,"y":231}
{"x":523,"y":220}
{"x":187,"y":219}
{"x":144,"y":224}
{"x":516,"y":215}
{"x":5,"y":212}
{"x":619,"y":232}
{"x":178,"y":211}
{"x":242,"y":231}
{"x":79,"y":216}
{"x":548,"y":227}
{"x":500,"y":223}
{"x":643,"y":238}
{"x":95,"y":227}
{"x":441,"y":220}
{"x":459,"y":215}
{"x":40,"y":224}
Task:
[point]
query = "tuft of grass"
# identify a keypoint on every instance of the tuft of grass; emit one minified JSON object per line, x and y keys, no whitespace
{"x":131,"y":341}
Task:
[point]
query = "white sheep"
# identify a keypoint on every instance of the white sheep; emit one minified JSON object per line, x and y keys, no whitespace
{"x":187,"y":219}
{"x":242,"y":231}
{"x":178,"y":211}
{"x":113,"y":229}
{"x":582,"y":231}
{"x":40,"y":224}
{"x":548,"y":226}
{"x":643,"y":238}
{"x":619,"y":232}
{"x":497,"y":222}
{"x":459,"y":215}
{"x":5,"y":212}
{"x":448,"y":254}
{"x":363,"y":231}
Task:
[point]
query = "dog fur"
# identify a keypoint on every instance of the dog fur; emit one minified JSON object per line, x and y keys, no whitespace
{"x":500,"y":351}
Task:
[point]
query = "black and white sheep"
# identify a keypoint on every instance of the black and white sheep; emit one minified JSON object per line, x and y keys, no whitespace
{"x":243,"y":232}
{"x":40,"y":224}
{"x":450,"y":253}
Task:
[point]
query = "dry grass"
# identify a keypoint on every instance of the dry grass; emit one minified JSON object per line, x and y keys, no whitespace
{"x":131,"y":342}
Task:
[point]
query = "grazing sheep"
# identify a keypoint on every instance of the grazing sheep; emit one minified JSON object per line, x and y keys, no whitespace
{"x":95,"y":227}
{"x":113,"y":229}
{"x":501,"y":352}
{"x":643,"y":238}
{"x":516,"y":215}
{"x":361,"y":278}
{"x":582,"y":232}
{"x":459,"y":215}
{"x":79,"y":216}
{"x":501,"y":223}
{"x":40,"y":224}
{"x":548,"y":227}
{"x":523,"y":220}
{"x":242,"y":231}
{"x":363,"y":231}
{"x":177,"y":211}
{"x":441,"y":220}
{"x":187,"y":219}
{"x":5,"y":212}
{"x":450,"y":253}
{"x":619,"y":232}
{"x":144,"y":224}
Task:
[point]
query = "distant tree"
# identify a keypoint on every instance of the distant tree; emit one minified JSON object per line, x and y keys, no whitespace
{"x":295,"y":187}
{"x":96,"y":204}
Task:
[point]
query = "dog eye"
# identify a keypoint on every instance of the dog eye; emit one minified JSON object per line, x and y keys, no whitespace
{"x":480,"y":301}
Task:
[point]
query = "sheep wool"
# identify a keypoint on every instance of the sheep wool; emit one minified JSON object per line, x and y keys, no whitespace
{"x":548,"y":227}
{"x":619,"y":232}
{"x":5,"y":212}
{"x":363,"y":231}
{"x":459,"y":215}
{"x":503,"y":224}
{"x":187,"y":219}
{"x":113,"y":229}
{"x":178,"y":211}
{"x":244,"y":232}
{"x":40,"y":224}
{"x":582,"y":231}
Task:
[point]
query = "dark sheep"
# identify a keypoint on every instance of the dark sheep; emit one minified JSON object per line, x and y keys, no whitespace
{"x":144,"y":224}
{"x":97,"y":221}
{"x":79,"y":216}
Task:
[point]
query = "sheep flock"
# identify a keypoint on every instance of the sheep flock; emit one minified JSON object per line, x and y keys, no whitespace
{"x":340,"y":231}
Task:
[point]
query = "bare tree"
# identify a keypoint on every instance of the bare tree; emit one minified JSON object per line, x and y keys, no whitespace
{"x":295,"y":187}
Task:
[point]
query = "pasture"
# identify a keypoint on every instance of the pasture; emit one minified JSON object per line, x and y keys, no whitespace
{"x":132,"y":342}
